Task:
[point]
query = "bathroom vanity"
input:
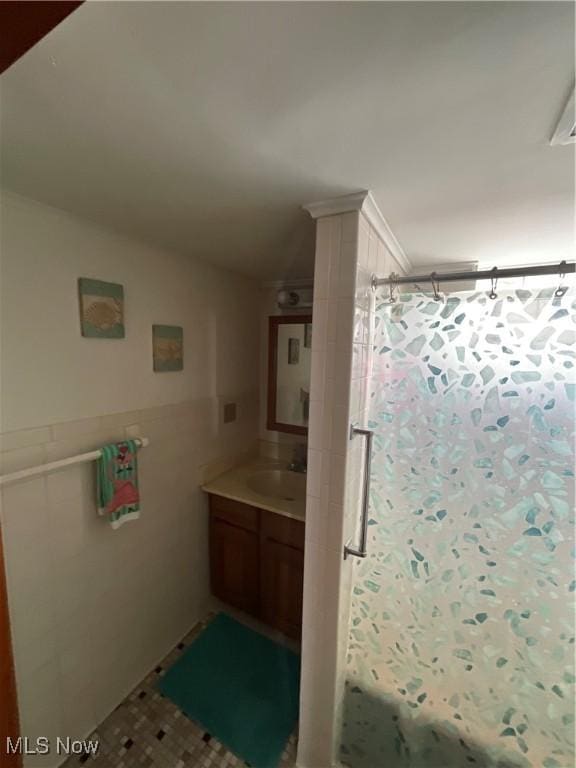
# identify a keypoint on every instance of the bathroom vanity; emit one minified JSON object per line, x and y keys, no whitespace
{"x":257,"y":542}
{"x":257,"y":510}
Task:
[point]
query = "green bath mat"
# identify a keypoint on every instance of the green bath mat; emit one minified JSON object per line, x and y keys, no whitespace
{"x":241,"y":687}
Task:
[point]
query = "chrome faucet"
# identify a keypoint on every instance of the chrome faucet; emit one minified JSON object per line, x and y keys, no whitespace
{"x":299,"y":458}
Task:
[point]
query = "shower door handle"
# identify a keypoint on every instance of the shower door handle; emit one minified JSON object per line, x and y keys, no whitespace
{"x":348,"y":549}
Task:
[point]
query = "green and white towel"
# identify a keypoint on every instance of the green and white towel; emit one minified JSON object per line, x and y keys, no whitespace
{"x":117,"y":483}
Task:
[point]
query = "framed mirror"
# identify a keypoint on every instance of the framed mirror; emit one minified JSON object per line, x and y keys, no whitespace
{"x":289,"y":358}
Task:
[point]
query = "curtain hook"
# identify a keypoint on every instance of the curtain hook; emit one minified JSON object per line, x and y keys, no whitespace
{"x":393,"y":286}
{"x":561,"y":290}
{"x":435,"y":286}
{"x":494,"y":283}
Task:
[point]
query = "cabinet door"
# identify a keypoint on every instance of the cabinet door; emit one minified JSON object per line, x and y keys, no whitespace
{"x":234,"y":555}
{"x":282,"y":586}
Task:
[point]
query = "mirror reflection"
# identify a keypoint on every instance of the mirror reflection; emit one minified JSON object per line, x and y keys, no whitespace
{"x":293,"y":381}
{"x":290,"y":357}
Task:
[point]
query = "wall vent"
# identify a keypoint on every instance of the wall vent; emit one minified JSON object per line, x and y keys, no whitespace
{"x":565,"y":132}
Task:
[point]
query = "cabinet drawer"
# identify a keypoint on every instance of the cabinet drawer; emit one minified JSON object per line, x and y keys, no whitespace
{"x":284,"y":530}
{"x":234,"y":512}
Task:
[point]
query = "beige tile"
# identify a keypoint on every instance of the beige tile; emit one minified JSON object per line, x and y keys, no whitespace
{"x":22,"y":458}
{"x":70,"y":592}
{"x":334,"y":279}
{"x":340,"y":433}
{"x":363,"y":244}
{"x":332,"y":320}
{"x":314,"y":587}
{"x":316,"y":520}
{"x":155,"y":413}
{"x":314,"y":475}
{"x":39,"y":703}
{"x":34,"y":620}
{"x":134,"y":430}
{"x":67,"y":517}
{"x":319,"y":323}
{"x":345,"y":322}
{"x":373,"y":253}
{"x":350,"y":224}
{"x":158,"y":429}
{"x":268,"y":449}
{"x":113,"y":420}
{"x":317,"y":373}
{"x":382,"y":260}
{"x":335,"y":539}
{"x":12,"y":441}
{"x":66,"y":483}
{"x":342,"y":378}
{"x":330,"y":370}
{"x":31,"y":656}
{"x":67,"y":430}
{"x":355,"y":395}
{"x":75,"y":663}
{"x":63,"y":449}
{"x":346,"y":285}
{"x":316,"y":424}
{"x":23,"y":495}
{"x":322,"y":259}
{"x":78,"y":716}
{"x":337,"y":478}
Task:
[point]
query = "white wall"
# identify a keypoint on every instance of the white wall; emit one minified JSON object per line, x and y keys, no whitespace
{"x":93,"y":609}
{"x":51,"y":373}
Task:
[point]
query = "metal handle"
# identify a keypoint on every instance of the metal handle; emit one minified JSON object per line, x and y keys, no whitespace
{"x":361,"y":551}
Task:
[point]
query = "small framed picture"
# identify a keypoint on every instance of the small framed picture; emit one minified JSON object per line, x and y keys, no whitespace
{"x":293,"y":351}
{"x":308,"y":335}
{"x":167,"y":347}
{"x":101,"y":309}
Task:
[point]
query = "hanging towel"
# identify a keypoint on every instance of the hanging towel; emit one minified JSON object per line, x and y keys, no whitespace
{"x":117,"y":483}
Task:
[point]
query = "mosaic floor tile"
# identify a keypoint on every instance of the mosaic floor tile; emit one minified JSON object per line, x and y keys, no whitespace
{"x":148,"y":731}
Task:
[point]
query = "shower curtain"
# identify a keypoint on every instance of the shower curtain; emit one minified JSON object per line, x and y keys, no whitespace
{"x":461,"y":640}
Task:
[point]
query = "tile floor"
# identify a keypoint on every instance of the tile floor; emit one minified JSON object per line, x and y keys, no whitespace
{"x":148,"y":731}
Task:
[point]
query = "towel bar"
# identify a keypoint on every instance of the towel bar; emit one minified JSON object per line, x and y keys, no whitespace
{"x":52,"y":466}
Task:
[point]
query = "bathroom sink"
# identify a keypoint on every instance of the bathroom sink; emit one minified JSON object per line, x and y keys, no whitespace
{"x":278,"y":484}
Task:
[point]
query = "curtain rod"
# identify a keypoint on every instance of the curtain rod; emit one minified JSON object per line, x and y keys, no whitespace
{"x":496,"y":273}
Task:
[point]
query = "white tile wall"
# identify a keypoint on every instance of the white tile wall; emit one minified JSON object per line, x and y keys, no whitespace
{"x":348,"y":252}
{"x":92,"y":609}
{"x":334,"y":286}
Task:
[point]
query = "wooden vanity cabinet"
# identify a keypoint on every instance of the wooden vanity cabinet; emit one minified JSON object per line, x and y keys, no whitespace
{"x":282,"y":572}
{"x":235,"y":554}
{"x":257,"y":563}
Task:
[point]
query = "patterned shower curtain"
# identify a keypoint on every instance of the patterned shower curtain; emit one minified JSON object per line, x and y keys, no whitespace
{"x":461,"y":643}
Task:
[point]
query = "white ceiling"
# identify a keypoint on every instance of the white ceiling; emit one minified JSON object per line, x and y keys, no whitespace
{"x":204,"y":127}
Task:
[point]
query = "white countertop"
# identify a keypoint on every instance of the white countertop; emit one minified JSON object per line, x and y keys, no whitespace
{"x":233,"y":485}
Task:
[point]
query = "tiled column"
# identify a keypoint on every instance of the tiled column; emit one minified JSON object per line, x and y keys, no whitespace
{"x":348,"y":251}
